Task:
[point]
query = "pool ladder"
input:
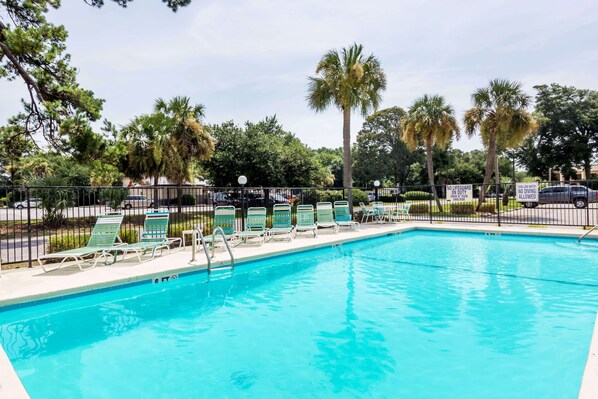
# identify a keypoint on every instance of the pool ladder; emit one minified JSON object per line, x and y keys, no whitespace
{"x":584,"y":235}
{"x":198,"y":234}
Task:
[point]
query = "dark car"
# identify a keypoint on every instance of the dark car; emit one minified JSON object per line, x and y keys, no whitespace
{"x":579,"y":196}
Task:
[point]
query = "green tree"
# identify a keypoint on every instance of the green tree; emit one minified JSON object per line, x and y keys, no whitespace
{"x":187,"y":140}
{"x":332,"y":160}
{"x":33,"y":50}
{"x":431,"y":121}
{"x":265,"y":153}
{"x":381,"y":151}
{"x":348,"y":80}
{"x":568,"y":133}
{"x":14,"y":145}
{"x":146,"y":139}
{"x":500,"y":115}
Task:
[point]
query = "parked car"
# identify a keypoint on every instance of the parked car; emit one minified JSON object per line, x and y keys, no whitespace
{"x":371,"y":196}
{"x":34,"y":203}
{"x":137,"y":201}
{"x":579,"y":196}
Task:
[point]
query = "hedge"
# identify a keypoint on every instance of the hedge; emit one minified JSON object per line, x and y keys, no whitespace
{"x":72,"y":241}
{"x":188,"y":199}
{"x":391,"y":198}
{"x":488,"y":208}
{"x":314,"y":196}
{"x":462,"y":209}
{"x":419,"y":208}
{"x":417,"y":196}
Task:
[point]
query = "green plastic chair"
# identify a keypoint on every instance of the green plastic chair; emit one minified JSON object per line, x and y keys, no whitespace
{"x":342,"y":215}
{"x":153,"y":236}
{"x":282,"y":225}
{"x":325,"y":216}
{"x":366,"y":213}
{"x":225,"y":218}
{"x":101,"y":243}
{"x":255,"y":226}
{"x":305,"y":220}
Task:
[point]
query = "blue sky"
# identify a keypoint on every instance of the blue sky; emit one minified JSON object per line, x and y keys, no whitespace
{"x":245,"y":60}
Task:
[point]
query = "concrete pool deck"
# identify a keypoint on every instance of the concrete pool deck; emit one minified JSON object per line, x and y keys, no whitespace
{"x":32,"y":284}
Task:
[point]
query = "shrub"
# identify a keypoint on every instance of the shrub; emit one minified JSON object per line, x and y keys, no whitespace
{"x":3,"y":201}
{"x":391,"y":198}
{"x":417,"y":196}
{"x":66,"y":242}
{"x":360,"y":196}
{"x":130,"y":236}
{"x":314,"y":196}
{"x":488,"y":208}
{"x":462,"y":209}
{"x":188,"y":199}
{"x":419,"y":208}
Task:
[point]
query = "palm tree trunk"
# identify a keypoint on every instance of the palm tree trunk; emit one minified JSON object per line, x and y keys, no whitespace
{"x":430,"y":165}
{"x":491,"y":159}
{"x":347,"y":172}
{"x":156,"y":179}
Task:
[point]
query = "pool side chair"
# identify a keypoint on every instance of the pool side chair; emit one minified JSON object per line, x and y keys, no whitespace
{"x":305,"y":220}
{"x":101,"y":242}
{"x":255,"y":226}
{"x":367,"y":213}
{"x":402,"y":213}
{"x":342,"y":215}
{"x":282,"y":225}
{"x":380,"y":211}
{"x":325,"y":216}
{"x":225,"y":218}
{"x":153,"y":236}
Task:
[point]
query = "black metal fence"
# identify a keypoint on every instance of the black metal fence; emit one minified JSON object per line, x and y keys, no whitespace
{"x":59,"y":218}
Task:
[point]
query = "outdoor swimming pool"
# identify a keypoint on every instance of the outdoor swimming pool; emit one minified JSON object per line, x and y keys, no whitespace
{"x":418,"y":315}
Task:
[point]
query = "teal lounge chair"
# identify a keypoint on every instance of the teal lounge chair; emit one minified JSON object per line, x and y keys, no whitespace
{"x":305,"y":220}
{"x":342,"y":215}
{"x":153,"y":236}
{"x":325,"y":216}
{"x":255,"y":226}
{"x":380,"y":210}
{"x":225,"y":218}
{"x":402,"y":213}
{"x":101,"y":243}
{"x":367,"y":213}
{"x":282,"y":225}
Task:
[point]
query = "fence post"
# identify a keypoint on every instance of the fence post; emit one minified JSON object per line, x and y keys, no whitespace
{"x":498,"y":203}
{"x":588,"y":204}
{"x":29,"y":260}
{"x":430,"y":202}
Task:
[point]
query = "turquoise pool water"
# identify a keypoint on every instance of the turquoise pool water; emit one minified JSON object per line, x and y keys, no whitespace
{"x":417,"y":315}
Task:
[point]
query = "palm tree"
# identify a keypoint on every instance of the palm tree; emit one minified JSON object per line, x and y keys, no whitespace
{"x":146,"y":140}
{"x":430,"y":120}
{"x":188,"y":140}
{"x":348,"y":80}
{"x":500,"y":114}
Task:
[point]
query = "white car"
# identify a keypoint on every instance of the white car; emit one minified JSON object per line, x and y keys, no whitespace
{"x":34,"y":203}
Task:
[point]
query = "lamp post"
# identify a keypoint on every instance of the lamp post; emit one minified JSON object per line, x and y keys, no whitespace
{"x":376,"y":185}
{"x":242,"y":181}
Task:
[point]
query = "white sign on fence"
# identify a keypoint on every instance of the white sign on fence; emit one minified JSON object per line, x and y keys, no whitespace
{"x":459,"y":192}
{"x":527,"y":192}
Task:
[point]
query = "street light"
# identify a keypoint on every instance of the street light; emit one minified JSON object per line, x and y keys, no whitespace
{"x":242,"y":180}
{"x":376,"y":185}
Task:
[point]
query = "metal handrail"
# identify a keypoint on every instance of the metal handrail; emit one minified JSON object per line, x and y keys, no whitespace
{"x":586,"y":233}
{"x":196,"y":230}
{"x":230,"y":252}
